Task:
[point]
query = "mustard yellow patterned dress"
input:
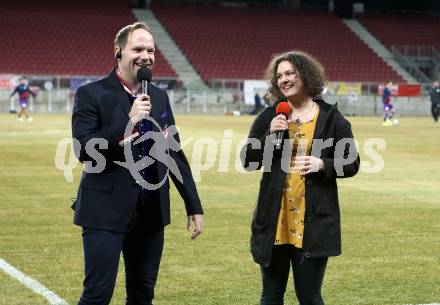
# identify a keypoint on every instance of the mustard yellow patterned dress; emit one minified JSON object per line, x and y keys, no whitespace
{"x":290,"y":227}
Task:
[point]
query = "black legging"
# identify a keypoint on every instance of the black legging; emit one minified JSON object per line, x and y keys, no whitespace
{"x":308,"y":274}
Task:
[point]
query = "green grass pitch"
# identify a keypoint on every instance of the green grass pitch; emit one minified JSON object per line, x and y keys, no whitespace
{"x":390,"y":220}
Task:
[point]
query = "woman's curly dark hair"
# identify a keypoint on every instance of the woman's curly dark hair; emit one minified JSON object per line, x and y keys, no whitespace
{"x":309,"y":70}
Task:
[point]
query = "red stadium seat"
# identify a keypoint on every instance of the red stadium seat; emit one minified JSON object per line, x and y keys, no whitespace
{"x":64,"y":38}
{"x":403,"y":30}
{"x":239,"y":42}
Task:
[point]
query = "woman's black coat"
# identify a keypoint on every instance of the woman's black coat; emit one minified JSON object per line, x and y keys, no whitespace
{"x":333,"y":142}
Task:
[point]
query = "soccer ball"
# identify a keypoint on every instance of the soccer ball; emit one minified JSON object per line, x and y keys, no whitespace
{"x":395,"y":122}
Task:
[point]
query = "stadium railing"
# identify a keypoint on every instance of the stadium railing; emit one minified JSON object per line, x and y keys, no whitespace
{"x":226,"y":96}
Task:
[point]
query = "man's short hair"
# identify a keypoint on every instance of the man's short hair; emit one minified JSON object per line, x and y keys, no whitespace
{"x":122,"y":36}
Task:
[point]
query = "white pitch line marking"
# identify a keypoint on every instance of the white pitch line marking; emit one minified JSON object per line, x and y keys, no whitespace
{"x":426,"y":304}
{"x":32,"y":284}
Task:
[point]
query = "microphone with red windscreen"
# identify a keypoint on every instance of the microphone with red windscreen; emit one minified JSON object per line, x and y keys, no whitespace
{"x":282,"y":108}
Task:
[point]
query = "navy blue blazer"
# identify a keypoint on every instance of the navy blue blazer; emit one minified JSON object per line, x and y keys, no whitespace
{"x":107,"y":200}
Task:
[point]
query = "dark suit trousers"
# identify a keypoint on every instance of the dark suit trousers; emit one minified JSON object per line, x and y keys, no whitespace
{"x":435,"y":109}
{"x":142,"y":250}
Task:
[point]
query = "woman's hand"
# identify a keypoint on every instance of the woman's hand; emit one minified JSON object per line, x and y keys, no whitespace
{"x":278,"y":123}
{"x":308,"y":164}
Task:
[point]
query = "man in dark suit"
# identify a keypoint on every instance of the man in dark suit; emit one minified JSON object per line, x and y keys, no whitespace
{"x":120,"y":213}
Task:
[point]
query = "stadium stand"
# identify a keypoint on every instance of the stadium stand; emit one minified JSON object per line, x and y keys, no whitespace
{"x":64,"y":38}
{"x":403,"y":30}
{"x":236,"y":43}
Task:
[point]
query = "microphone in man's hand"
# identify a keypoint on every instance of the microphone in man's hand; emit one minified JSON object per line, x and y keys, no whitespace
{"x":144,"y":77}
{"x":282,"y":108}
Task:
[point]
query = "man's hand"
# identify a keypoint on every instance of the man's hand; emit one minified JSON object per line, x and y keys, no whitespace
{"x":141,"y":108}
{"x":308,"y":164}
{"x":198,"y":224}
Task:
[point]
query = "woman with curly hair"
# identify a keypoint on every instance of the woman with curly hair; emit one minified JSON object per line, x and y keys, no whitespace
{"x":296,"y":221}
